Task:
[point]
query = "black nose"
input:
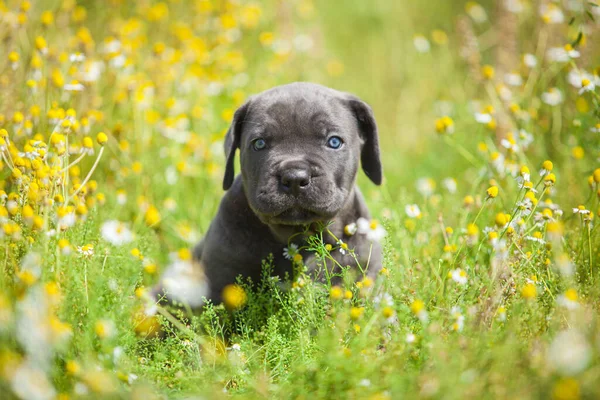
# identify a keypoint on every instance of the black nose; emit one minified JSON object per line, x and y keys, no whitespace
{"x":295,"y":179}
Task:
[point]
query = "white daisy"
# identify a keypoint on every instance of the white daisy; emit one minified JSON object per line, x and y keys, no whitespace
{"x":459,"y":276}
{"x":569,"y":353}
{"x":552,"y":97}
{"x":552,"y":14}
{"x":116,"y":233}
{"x":421,"y":44}
{"x":185,"y":282}
{"x":587,"y":86}
{"x":560,"y":54}
{"x":74,"y":87}
{"x":530,"y":60}
{"x":290,"y":251}
{"x":372,"y":229}
{"x":413,"y":211}
{"x":67,"y":220}
{"x":450,"y":184}
{"x":425,"y":186}
{"x":514,"y":6}
{"x":76,"y":57}
{"x":513,"y":79}
{"x":501,"y":314}
{"x":568,"y":299}
{"x":350,"y":229}
{"x":29,"y":381}
{"x":383,"y":300}
{"x":343,"y":247}
{"x":477,"y":12}
{"x":483,"y":118}
{"x":581,"y":210}
{"x":459,"y":319}
{"x":86,"y":250}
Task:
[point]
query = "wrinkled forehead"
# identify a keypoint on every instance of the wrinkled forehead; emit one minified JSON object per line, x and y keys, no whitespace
{"x":310,"y":112}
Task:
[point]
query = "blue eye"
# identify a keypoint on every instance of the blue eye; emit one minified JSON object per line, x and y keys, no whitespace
{"x":335,"y":142}
{"x":259,"y":144}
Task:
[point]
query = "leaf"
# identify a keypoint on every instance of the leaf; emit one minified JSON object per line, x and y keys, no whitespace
{"x":578,"y":40}
{"x":589,"y":14}
{"x":571,"y":21}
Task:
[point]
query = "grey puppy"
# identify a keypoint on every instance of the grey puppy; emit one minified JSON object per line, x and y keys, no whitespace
{"x":300,"y":147}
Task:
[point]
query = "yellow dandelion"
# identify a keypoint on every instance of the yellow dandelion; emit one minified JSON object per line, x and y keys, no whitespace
{"x":356,"y":312}
{"x":234,"y":296}
{"x":529,"y":291}
{"x":492,"y":192}
{"x":487,"y":71}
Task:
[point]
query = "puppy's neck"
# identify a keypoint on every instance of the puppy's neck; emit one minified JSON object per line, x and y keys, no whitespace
{"x":293,"y":233}
{"x":299,"y":233}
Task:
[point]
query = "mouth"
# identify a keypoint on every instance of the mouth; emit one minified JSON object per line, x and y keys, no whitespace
{"x":296,"y":216}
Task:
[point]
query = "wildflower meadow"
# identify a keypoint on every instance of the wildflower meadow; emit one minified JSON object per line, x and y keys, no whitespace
{"x":112,"y":120}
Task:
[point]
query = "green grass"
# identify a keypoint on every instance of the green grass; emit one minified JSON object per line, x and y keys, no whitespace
{"x":74,"y":324}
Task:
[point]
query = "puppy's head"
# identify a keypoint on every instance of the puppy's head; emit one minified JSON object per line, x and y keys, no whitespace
{"x":300,"y":148}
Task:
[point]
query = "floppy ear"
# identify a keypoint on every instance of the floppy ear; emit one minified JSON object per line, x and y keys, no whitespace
{"x":232,"y":143}
{"x":369,"y":156}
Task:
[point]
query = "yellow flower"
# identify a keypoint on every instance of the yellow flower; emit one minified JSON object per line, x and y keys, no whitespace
{"x":47,"y":18}
{"x":40,"y":44}
{"x":266,"y":38}
{"x":27,"y":277}
{"x":184,"y":254}
{"x":150,"y":268}
{"x":13,"y":57}
{"x":472,"y":230}
{"x":439,"y":37}
{"x":566,"y":389}
{"x":104,"y":328}
{"x":596,"y":175}
{"x":468,"y":201}
{"x":444,"y":125}
{"x":140,"y":292}
{"x":137,"y":253}
{"x":555,"y":229}
{"x":72,"y":367}
{"x":529,"y":291}
{"x":571,"y":294}
{"x":336,"y":293}
{"x":450,"y":248}
{"x":387,"y":312}
{"x":367,"y":282}
{"x":234,"y":296}
{"x":356,"y":312}
{"x":492,"y":192}
{"x":502,"y":219}
{"x":578,"y":152}
{"x":152,"y":216}
{"x":417,"y":306}
{"x":550,"y":179}
{"x":488,"y":72}
{"x":101,"y":138}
